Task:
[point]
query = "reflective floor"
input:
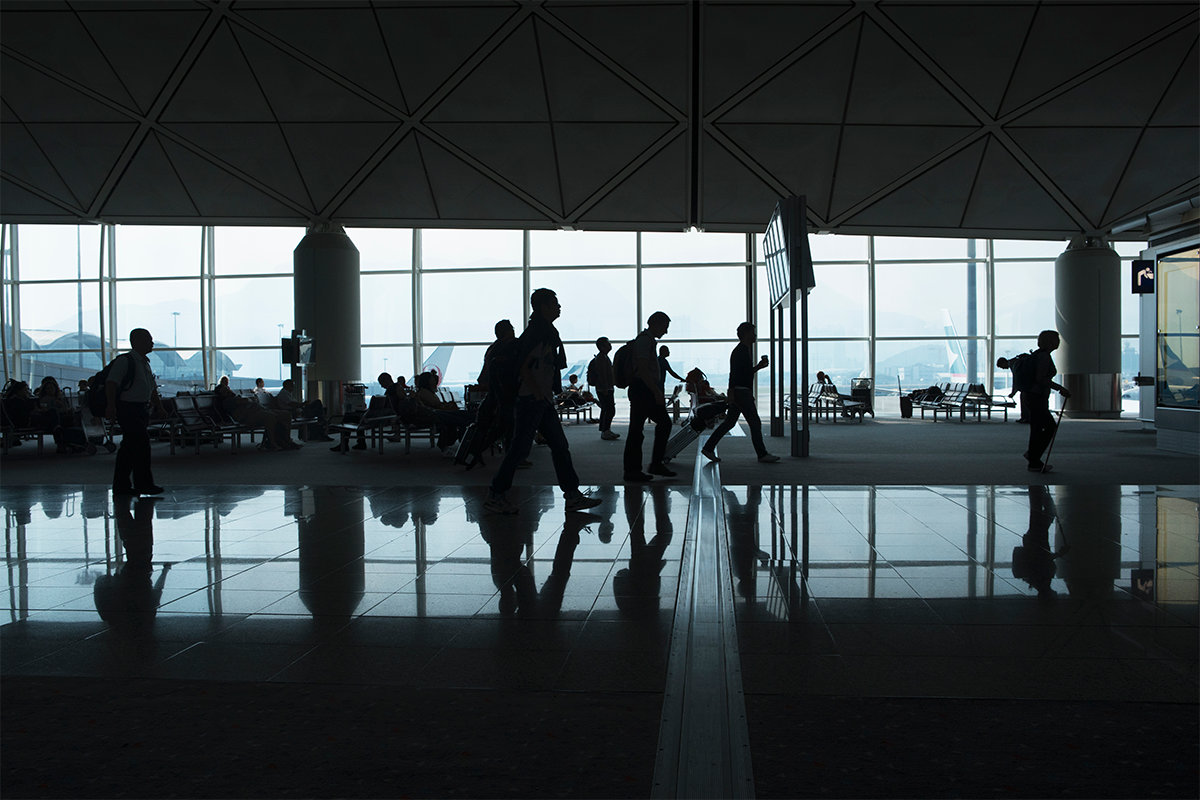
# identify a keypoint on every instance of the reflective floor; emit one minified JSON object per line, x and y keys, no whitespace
{"x":1081,"y":592}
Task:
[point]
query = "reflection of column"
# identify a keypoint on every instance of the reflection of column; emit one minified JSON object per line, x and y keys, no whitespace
{"x":1087,"y":312}
{"x":328,"y":308}
{"x":332,"y":542}
{"x":1091,"y":527}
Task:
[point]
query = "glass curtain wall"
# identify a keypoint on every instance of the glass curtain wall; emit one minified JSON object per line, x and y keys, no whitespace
{"x":907,"y":312}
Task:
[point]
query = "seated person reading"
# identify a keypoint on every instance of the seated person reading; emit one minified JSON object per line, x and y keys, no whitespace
{"x":286,"y":401}
{"x":451,"y":420}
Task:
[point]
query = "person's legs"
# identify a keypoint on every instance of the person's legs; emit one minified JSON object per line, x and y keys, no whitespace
{"x":744,"y":401}
{"x":1041,"y":427}
{"x":560,"y":451}
{"x":527,"y":418}
{"x":133,"y":458}
{"x":662,"y":433}
{"x":731,"y":418}
{"x":640,"y":404}
{"x":608,"y":408}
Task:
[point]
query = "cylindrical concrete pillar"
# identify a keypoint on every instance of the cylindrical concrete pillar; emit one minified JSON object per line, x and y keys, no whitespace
{"x":1087,"y":311}
{"x":326,"y":288}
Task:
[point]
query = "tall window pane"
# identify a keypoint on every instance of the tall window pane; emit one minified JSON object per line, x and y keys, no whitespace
{"x":1024,"y":298}
{"x":838,"y":304}
{"x":53,"y":318}
{"x":382,"y":248}
{"x":702,"y":302}
{"x":386,"y":308}
{"x":457,"y":249}
{"x":693,"y":248}
{"x":154,"y":251}
{"x":170,"y":310}
{"x":50,"y":252}
{"x":595,"y":303}
{"x":465,"y":308}
{"x":254,"y":311}
{"x":582,"y":248}
{"x":255,"y":251}
{"x":929,"y":299}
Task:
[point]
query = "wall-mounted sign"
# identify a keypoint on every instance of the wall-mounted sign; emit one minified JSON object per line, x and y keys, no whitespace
{"x":1143,"y":277}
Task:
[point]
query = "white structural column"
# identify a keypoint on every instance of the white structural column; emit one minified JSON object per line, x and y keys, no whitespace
{"x":1087,"y":312}
{"x":328,"y":308}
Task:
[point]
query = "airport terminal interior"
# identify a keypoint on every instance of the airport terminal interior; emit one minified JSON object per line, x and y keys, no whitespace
{"x":899,"y":607}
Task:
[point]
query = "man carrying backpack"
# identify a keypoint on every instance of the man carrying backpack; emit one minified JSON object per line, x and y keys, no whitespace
{"x":538,"y":361}
{"x":1042,"y":426}
{"x":129,"y":389}
{"x":647,"y":402}
{"x":1021,"y":366}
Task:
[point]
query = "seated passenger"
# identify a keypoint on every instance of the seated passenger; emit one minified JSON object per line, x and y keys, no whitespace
{"x":261,"y":395}
{"x":284,"y":401}
{"x":573,"y":395}
{"x":276,"y":425}
{"x":53,"y":412}
{"x":385,"y":380}
{"x":451,"y":420}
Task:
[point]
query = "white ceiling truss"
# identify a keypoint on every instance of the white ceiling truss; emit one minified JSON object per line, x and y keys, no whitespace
{"x":1029,"y":119}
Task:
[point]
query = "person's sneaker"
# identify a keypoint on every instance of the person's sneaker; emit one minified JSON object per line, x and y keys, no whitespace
{"x":270,"y":447}
{"x":609,"y":436}
{"x":661,"y":469}
{"x":581,"y":502}
{"x":499,"y":504}
{"x":637,"y":477}
{"x":1036,"y":466}
{"x":123,"y":491}
{"x":710,"y":455}
{"x":152,"y":489}
{"x":526,"y":464}
{"x":360,"y":446}
{"x":769,"y":458}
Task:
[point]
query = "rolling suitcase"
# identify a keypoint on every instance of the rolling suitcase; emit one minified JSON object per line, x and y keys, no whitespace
{"x":691,"y":428}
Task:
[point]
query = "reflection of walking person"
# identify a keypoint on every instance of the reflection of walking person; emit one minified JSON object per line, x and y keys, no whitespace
{"x":1041,"y":421}
{"x":741,"y":396}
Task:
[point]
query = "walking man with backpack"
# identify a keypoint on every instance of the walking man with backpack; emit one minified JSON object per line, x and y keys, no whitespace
{"x":537,"y":360}
{"x":1041,"y":421}
{"x":647,"y":402}
{"x":129,"y":388}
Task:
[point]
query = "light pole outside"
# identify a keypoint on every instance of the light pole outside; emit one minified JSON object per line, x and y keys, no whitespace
{"x":175,"y":321}
{"x":280,"y":326}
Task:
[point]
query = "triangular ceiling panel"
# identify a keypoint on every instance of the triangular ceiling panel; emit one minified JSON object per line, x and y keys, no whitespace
{"x":58,"y":41}
{"x":732,"y":191}
{"x":1085,"y":163}
{"x":150,"y":187}
{"x":811,"y":90}
{"x":581,"y":89}
{"x":1167,"y":160}
{"x":36,"y":97}
{"x":6,"y":112}
{"x":257,"y":149}
{"x":22,"y":158}
{"x":220,"y":87}
{"x":871,"y":157}
{"x":397,"y":188}
{"x":591,"y":153}
{"x":934,"y":199}
{"x":83,"y":153}
{"x":801,"y":157}
{"x":1180,"y":104}
{"x":653,"y":195}
{"x":744,"y":41}
{"x":650,"y":41}
{"x":298,"y":93}
{"x":980,"y":64}
{"x":329,"y":153}
{"x":346,"y":40}
{"x":143,"y":46}
{"x":462,"y":192}
{"x":1064,"y":43}
{"x":218,"y":193}
{"x":428,"y":44}
{"x":520,"y":152}
{"x":890,"y":87}
{"x":506,"y":87}
{"x":1125,"y":94}
{"x":15,"y":201}
{"x":1007,"y":197}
